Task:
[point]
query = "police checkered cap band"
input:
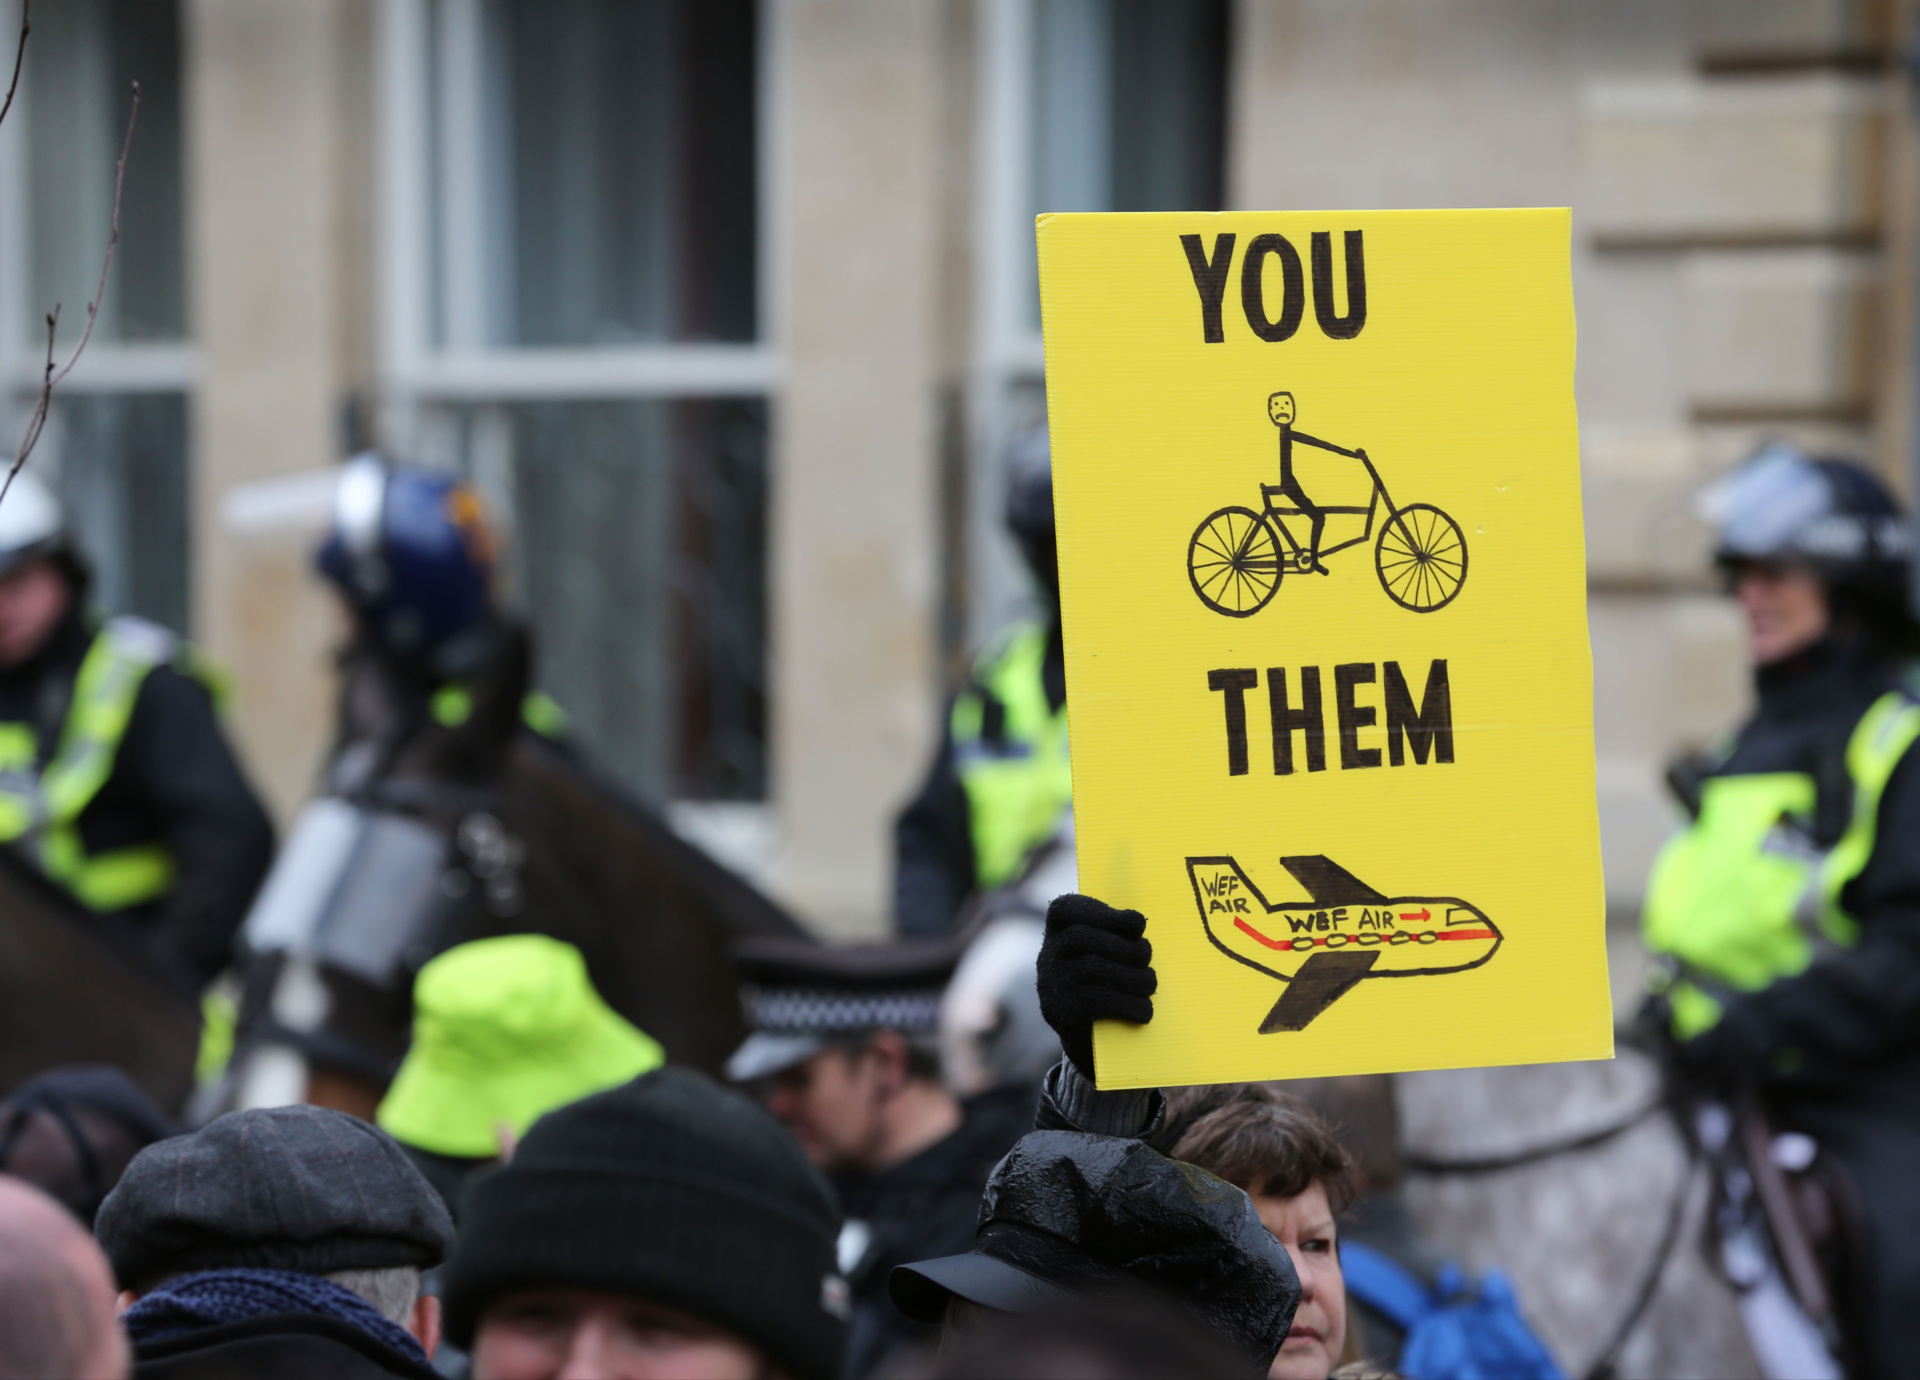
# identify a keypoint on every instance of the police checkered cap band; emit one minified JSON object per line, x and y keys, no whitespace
{"x":812,"y":1011}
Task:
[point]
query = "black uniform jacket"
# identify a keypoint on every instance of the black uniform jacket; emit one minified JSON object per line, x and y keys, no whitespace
{"x":175,"y":781}
{"x":921,"y":1209}
{"x":1851,"y":1022}
{"x":1836,"y":1049}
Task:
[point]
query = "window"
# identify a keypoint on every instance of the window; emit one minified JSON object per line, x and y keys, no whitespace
{"x":638,"y":550}
{"x":1128,"y":108}
{"x":1086,"y":105}
{"x":608,"y":192}
{"x":116,"y":443}
{"x":571,"y":300}
{"x":120,"y":460}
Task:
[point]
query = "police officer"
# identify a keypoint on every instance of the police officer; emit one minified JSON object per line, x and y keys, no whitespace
{"x":412,"y":554}
{"x":116,"y":783}
{"x":1001,"y":781}
{"x":844,"y":1050}
{"x":1786,"y":917}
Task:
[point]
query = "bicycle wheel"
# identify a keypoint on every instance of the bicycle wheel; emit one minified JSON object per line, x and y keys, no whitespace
{"x":1421,"y":556}
{"x":1234,"y":562}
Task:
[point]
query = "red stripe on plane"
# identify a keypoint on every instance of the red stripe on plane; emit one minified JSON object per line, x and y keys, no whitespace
{"x":1320,"y":942}
{"x":1270,"y":943}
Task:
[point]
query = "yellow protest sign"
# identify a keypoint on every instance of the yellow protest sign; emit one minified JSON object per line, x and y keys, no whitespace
{"x":1323,"y":586}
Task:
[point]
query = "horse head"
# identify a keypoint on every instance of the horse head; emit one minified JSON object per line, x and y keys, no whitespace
{"x":461,"y":827}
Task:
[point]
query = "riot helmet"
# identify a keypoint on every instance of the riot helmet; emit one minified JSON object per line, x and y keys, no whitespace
{"x":1030,"y":506}
{"x":1831,"y":516}
{"x":33,"y":526}
{"x":412,"y":553}
{"x":32,"y":523}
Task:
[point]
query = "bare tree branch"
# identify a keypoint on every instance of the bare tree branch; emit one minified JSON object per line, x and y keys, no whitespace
{"x":51,"y":375}
{"x":19,"y":57}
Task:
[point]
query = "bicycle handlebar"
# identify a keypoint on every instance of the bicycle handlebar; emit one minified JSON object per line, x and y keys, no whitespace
{"x":1378,"y":483}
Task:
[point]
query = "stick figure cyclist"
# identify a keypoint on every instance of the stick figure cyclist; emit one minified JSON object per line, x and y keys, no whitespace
{"x":1238,"y":556}
{"x":1280,"y":412}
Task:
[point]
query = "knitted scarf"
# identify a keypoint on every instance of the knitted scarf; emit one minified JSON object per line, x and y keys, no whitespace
{"x":209,"y":1298}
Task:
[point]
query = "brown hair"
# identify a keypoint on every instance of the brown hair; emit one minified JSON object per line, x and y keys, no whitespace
{"x":1262,"y":1140}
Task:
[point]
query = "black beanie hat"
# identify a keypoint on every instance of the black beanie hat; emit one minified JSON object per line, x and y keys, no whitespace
{"x":669,"y":1188}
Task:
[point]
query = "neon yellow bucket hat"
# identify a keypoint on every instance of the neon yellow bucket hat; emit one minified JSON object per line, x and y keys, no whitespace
{"x":505,"y":1030}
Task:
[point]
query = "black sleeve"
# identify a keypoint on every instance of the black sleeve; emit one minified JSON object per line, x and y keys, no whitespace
{"x":1852,"y":1006}
{"x":1070,"y":1102}
{"x":933,"y":851}
{"x":178,"y":759}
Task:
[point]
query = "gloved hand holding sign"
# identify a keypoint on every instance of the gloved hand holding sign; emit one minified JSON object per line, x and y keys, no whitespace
{"x":1095,"y":964}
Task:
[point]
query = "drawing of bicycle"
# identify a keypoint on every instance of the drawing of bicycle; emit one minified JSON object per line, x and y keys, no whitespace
{"x":1238,"y":555}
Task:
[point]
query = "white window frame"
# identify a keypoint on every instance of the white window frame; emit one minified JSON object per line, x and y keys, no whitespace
{"x":170,"y":366}
{"x":1008,"y":352}
{"x":417,"y":378}
{"x":413,"y":370}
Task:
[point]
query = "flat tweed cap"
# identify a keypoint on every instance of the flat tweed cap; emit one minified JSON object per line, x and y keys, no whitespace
{"x":279,"y":1188}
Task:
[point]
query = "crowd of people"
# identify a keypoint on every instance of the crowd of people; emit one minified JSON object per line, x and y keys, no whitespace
{"x":907,"y":1168}
{"x":546,"y":1200}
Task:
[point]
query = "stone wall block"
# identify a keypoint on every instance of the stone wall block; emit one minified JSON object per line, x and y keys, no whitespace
{"x":1780,"y":332}
{"x":1791,"y":160}
{"x":271,"y":168}
{"x":855,"y":482}
{"x":1757,"y":31}
{"x":1637,"y":493}
{"x":1641,"y":531}
{"x":1669,"y":675}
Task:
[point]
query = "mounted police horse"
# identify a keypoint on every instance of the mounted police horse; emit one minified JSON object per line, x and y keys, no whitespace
{"x":464,"y":832}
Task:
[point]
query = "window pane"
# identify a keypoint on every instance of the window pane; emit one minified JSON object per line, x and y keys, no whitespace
{"x":1073,"y":106}
{"x":119,"y":462}
{"x":639,"y":552}
{"x":81,"y":63}
{"x":1128,"y":108}
{"x":1169,"y":104}
{"x":618,"y":171}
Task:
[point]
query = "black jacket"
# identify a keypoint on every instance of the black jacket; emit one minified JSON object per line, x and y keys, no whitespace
{"x":1851,"y":1021}
{"x":174,"y":780}
{"x":921,"y":1209}
{"x":1835,"y":1050}
{"x":286,"y":1346}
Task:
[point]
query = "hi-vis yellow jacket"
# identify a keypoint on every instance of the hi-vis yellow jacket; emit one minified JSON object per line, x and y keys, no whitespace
{"x":1010,"y":752}
{"x":1745,"y":897}
{"x":40,"y":805}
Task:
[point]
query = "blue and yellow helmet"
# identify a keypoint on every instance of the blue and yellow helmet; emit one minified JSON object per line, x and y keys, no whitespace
{"x":412,"y":553}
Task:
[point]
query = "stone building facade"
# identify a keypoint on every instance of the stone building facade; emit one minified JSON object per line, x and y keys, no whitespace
{"x":728,"y":308}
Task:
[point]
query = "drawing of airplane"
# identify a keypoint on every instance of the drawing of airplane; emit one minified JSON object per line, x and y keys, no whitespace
{"x":1322,"y":947}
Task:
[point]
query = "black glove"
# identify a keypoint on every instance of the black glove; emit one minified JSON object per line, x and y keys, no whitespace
{"x":1095,"y":964}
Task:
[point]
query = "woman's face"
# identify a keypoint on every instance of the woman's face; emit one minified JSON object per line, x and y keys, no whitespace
{"x":1304,"y":1225}
{"x":1786,"y":609}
